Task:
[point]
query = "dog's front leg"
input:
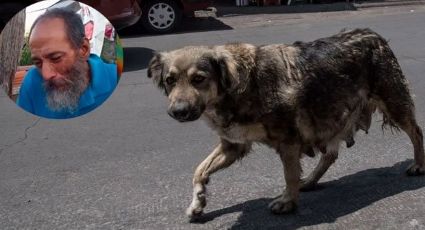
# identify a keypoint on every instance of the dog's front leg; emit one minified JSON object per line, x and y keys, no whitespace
{"x":290,"y":156}
{"x":223,"y":156}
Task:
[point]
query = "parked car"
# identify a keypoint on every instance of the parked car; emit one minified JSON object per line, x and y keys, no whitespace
{"x":158,"y":16}
{"x":161,"y":16}
{"x":121,"y":13}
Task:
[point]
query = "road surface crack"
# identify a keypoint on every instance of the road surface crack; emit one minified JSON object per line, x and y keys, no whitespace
{"x":7,"y":146}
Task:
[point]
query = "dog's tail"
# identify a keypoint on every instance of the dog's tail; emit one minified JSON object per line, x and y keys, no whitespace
{"x":388,"y":85}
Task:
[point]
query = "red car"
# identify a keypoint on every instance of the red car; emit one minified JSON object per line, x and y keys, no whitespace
{"x":121,"y":13}
{"x":161,"y":16}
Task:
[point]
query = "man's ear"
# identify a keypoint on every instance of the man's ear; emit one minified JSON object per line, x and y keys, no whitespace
{"x":155,"y":68}
{"x":85,"y":49}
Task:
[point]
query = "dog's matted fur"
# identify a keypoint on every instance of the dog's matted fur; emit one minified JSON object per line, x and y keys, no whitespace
{"x":304,"y":98}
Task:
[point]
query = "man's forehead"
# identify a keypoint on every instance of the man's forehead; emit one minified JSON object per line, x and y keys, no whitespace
{"x":47,"y":36}
{"x":48,"y":28}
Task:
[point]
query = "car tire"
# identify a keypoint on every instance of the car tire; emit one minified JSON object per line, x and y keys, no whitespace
{"x":161,"y":16}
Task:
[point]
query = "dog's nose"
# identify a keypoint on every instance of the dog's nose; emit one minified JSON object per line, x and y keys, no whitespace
{"x":180,"y":111}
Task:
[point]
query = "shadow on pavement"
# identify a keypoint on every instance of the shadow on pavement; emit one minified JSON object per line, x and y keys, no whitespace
{"x":137,"y":58}
{"x":335,"y":199}
{"x":188,"y":25}
{"x":201,"y":25}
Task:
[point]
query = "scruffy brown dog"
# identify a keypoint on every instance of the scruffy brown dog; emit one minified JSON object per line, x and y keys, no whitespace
{"x":300,"y":98}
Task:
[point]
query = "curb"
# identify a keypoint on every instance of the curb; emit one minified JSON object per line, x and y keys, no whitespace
{"x":388,"y":4}
{"x":229,"y":11}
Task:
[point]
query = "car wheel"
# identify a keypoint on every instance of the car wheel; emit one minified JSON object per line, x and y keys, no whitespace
{"x":161,"y":16}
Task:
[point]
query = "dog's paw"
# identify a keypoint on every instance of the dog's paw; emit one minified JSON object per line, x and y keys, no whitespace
{"x":197,"y":206}
{"x":194,"y":213}
{"x":307,"y":185}
{"x":416,"y":170}
{"x":279,"y":206}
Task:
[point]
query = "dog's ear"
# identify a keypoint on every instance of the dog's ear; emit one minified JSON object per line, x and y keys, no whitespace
{"x":228,"y":69}
{"x":155,"y":69}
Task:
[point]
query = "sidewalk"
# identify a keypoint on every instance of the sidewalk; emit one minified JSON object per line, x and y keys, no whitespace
{"x":384,"y":3}
{"x":224,"y":9}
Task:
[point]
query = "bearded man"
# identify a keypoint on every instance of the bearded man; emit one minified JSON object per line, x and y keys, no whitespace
{"x":67,"y":81}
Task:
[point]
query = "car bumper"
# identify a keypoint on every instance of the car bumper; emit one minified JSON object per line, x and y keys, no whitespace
{"x":127,"y":17}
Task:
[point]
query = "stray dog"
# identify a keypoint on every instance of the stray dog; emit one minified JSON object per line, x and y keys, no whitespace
{"x":304,"y":98}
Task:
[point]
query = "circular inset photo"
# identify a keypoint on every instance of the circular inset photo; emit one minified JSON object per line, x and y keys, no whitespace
{"x":61,"y":59}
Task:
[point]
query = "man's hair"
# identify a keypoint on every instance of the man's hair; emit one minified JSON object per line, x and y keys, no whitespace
{"x":74,"y":27}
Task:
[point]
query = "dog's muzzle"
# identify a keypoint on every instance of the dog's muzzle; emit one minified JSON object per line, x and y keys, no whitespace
{"x":182,"y":111}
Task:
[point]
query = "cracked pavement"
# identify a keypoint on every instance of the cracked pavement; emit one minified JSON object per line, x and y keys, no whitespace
{"x":128,"y":165}
{"x":20,"y":140}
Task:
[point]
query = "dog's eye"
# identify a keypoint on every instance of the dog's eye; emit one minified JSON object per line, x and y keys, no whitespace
{"x":198,"y":79}
{"x":170,"y":80}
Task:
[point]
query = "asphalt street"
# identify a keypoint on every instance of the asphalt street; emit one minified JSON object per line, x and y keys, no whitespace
{"x":128,"y":165}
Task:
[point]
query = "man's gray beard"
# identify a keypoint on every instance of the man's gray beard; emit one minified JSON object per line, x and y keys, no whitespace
{"x":69,"y":98}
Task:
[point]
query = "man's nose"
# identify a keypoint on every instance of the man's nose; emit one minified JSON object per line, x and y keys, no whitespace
{"x":48,"y":72}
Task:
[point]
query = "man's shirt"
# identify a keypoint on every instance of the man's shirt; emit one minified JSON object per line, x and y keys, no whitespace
{"x":104,"y":78}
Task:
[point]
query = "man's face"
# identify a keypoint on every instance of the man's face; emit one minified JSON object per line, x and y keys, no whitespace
{"x":64,"y":68}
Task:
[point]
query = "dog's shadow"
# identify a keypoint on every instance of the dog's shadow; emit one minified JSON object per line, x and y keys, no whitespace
{"x":332,"y":200}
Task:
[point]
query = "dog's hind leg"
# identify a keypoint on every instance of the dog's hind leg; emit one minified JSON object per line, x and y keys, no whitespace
{"x":287,"y":202}
{"x":223,"y":155}
{"x":402,"y":116}
{"x":394,"y":100}
{"x":416,"y":136}
{"x":326,"y":160}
